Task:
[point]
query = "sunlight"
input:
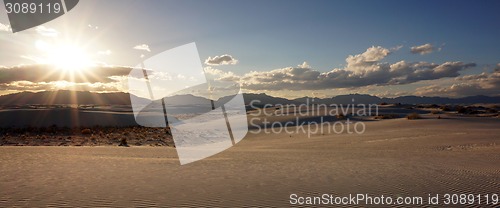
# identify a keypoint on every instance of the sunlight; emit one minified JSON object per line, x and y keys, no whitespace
{"x":65,"y":56}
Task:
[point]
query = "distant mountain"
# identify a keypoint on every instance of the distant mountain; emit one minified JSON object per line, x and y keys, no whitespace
{"x":178,"y":100}
{"x":259,"y":100}
{"x":119,"y":98}
{"x":369,"y":99}
{"x":65,"y":97}
{"x":355,"y":98}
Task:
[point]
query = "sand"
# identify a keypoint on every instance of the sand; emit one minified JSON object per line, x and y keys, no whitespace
{"x":396,"y":157}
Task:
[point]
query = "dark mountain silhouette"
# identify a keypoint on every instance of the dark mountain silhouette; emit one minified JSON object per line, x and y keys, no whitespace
{"x":66,"y":97}
{"x":179,"y":100}
{"x":369,"y":99}
{"x":120,"y":98}
{"x":264,"y":99}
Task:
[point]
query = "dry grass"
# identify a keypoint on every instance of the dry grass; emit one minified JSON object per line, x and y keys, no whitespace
{"x":88,"y":136}
{"x":413,"y":116}
{"x":435,"y":112}
{"x":387,"y":116}
{"x":341,"y":116}
{"x":123,"y":142}
{"x":86,"y":131}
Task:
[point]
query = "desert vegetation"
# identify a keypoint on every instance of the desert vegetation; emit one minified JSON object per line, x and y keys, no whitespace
{"x":95,"y":136}
{"x":387,"y":116}
{"x":413,"y":116}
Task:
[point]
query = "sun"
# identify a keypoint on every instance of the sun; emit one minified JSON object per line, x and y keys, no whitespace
{"x":65,"y":56}
{"x":69,"y":57}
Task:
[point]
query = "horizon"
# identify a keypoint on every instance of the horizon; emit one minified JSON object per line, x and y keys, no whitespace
{"x":249,"y":103}
{"x":261,"y":93}
{"x":342,"y":53}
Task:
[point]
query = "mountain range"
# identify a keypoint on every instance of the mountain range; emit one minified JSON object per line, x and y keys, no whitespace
{"x":120,"y":98}
{"x":65,"y":97}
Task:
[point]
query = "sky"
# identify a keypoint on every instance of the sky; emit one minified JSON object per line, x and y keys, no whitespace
{"x":282,"y":48}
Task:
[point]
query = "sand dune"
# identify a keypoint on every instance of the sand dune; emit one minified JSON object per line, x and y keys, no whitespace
{"x":396,"y":157}
{"x":65,"y":117}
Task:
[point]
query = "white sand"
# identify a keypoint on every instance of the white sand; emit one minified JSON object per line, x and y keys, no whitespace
{"x":394,"y":157}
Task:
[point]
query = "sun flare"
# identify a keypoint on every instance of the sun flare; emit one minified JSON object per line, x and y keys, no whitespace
{"x":65,"y":56}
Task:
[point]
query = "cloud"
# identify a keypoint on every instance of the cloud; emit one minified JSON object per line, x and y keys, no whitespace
{"x":218,"y":74}
{"x":363,"y":69}
{"x":368,"y":58}
{"x":396,"y":48}
{"x":47,"y":73}
{"x":5,"y":28}
{"x":479,"y":84}
{"x":93,"y":27}
{"x":49,"y":32}
{"x":142,"y":47}
{"x":423,"y":49}
{"x":106,"y":52}
{"x":304,"y":65}
{"x":225,"y":59}
{"x":61,"y":85}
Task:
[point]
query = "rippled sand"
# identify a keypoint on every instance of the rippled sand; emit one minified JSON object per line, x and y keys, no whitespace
{"x":394,"y":157}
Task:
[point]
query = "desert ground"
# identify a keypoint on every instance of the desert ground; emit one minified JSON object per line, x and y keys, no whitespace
{"x":393,"y":157}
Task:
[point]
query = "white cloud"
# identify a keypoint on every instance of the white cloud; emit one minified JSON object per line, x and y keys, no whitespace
{"x":479,"y":84}
{"x":218,"y":74}
{"x":396,"y":48}
{"x":106,"y":52}
{"x":362,"y":70}
{"x":423,"y":49}
{"x":142,"y":47}
{"x":93,"y":27}
{"x":49,"y":32}
{"x":225,"y":59}
{"x":304,"y":65}
{"x":365,"y":62}
{"x":5,"y":28}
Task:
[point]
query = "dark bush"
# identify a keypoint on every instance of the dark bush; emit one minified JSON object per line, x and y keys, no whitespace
{"x":86,"y":131}
{"x":413,"y":116}
{"x":387,"y":116}
{"x":123,"y":142}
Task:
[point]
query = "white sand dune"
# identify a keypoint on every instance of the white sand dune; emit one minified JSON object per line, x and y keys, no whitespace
{"x":64,"y":117}
{"x":396,"y":157}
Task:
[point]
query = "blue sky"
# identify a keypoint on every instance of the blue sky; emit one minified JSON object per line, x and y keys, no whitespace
{"x":268,"y":35}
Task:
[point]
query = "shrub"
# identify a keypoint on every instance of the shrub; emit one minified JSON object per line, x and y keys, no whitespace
{"x":341,"y":116}
{"x":387,"y":116}
{"x":461,"y":109}
{"x":123,"y":142}
{"x":86,"y":131}
{"x":445,"y":108}
{"x":490,"y":110}
{"x":413,"y":116}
